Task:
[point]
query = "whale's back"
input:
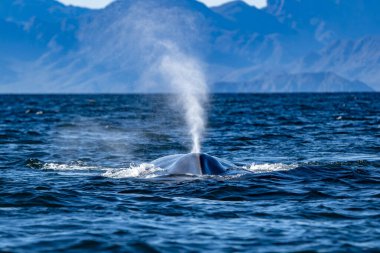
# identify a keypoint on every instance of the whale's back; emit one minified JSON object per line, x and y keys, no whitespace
{"x":194,"y":164}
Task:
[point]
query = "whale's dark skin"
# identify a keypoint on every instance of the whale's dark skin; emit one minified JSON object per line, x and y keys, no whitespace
{"x":210,"y":165}
{"x":193,"y":164}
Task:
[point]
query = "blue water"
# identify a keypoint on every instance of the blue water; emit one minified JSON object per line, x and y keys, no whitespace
{"x":75,"y":175}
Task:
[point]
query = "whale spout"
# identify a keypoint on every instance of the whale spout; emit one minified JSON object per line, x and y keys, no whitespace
{"x":194,"y":164}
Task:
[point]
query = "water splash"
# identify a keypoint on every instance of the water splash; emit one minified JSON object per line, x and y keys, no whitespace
{"x":269,"y":167}
{"x":186,"y":79}
{"x":144,"y":170}
{"x":68,"y":167}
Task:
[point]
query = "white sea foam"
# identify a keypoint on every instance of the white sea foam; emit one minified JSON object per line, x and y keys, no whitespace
{"x":269,"y":167}
{"x":148,"y":170}
{"x":145,"y":170}
{"x":68,"y":167}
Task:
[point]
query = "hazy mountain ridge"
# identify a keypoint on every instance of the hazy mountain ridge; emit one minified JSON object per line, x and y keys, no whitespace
{"x":304,"y":82}
{"x":42,"y":22}
{"x":48,"y":47}
{"x":250,"y":19}
{"x":329,"y":19}
{"x":355,"y":59}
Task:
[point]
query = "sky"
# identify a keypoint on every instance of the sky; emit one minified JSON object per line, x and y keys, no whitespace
{"x":103,"y":3}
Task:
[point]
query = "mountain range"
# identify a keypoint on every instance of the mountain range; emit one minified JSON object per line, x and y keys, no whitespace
{"x":289,"y":46}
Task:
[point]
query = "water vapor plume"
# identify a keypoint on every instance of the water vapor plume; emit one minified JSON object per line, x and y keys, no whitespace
{"x":186,"y":78}
{"x":174,"y":63}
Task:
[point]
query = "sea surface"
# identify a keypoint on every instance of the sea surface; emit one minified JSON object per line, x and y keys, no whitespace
{"x":75,"y":174}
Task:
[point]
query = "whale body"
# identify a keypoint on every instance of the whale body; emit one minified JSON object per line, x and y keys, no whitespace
{"x":193,"y":164}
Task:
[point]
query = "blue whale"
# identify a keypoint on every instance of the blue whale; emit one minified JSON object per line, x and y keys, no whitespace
{"x":192,"y":164}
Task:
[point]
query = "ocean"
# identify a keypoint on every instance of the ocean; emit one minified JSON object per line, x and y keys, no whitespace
{"x":75,"y":174}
